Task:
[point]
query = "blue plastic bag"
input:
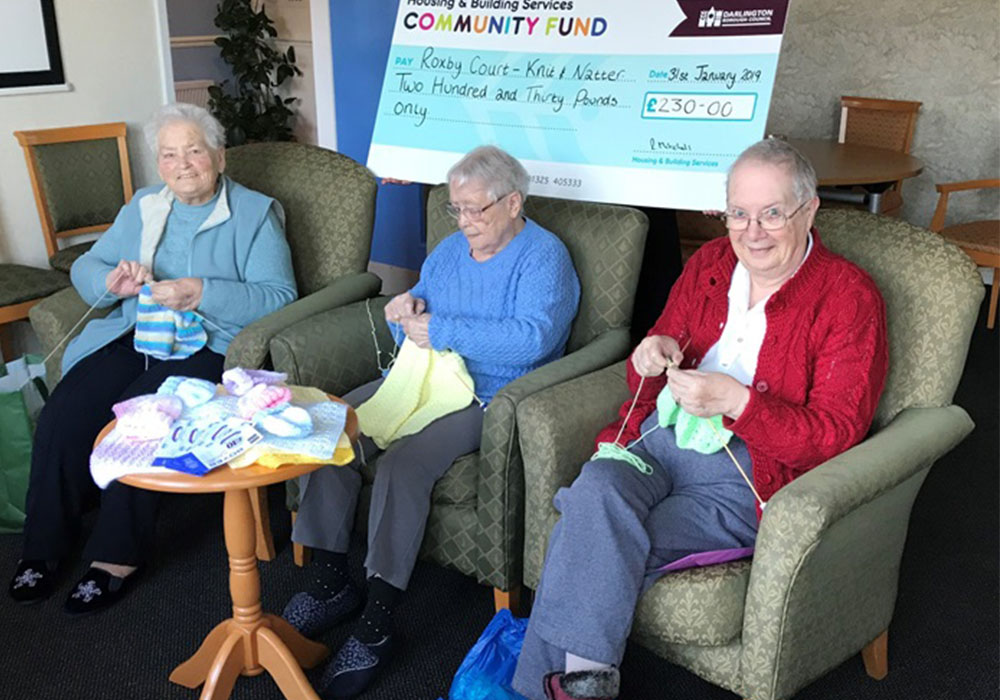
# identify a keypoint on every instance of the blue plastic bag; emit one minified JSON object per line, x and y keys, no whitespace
{"x":488,"y":668}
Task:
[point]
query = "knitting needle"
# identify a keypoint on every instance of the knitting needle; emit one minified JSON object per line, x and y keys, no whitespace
{"x":75,"y":326}
{"x":670,"y":364}
{"x":733,"y":457}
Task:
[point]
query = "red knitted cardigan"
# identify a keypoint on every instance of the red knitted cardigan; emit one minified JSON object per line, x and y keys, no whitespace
{"x":821,"y":367}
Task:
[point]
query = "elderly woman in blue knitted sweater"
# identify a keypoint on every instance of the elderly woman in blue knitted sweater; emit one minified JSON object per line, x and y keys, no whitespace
{"x":502,"y":293}
{"x":203,"y":244}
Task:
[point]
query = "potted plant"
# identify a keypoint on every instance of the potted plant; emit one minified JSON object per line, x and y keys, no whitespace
{"x":249,"y":107}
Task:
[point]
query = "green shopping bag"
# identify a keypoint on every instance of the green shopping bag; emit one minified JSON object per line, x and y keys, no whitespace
{"x":22,"y":395}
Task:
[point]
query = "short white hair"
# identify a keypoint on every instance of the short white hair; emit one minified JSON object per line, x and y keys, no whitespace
{"x":780,"y":153}
{"x":498,"y":171}
{"x":201,"y":118}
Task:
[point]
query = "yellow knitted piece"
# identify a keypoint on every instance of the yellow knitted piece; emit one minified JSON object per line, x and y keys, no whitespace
{"x":422,"y":386}
{"x":343,"y":454}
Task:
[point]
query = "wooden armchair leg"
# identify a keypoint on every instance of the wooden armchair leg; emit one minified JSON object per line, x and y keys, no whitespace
{"x":515,"y":600}
{"x":876,"y":657}
{"x":262,"y":523}
{"x":301,"y":554}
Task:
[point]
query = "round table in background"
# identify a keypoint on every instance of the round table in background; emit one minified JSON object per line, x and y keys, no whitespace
{"x":850,"y":164}
{"x":251,"y":641}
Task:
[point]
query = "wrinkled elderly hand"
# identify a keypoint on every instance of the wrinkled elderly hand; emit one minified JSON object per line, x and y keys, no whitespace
{"x":655,"y":354}
{"x":417,"y":329}
{"x":127,"y":278}
{"x":403,"y":306}
{"x":707,"y":394}
{"x":183,"y":294}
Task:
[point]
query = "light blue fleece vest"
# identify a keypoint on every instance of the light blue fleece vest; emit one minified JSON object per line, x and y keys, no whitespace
{"x":220,"y":249}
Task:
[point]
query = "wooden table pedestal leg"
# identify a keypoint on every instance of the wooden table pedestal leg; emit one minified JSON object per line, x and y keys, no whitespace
{"x":250,"y":642}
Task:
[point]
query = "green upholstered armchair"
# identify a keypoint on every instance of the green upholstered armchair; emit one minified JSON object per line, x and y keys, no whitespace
{"x":822,"y":583}
{"x":476,"y":519}
{"x":329,"y":204}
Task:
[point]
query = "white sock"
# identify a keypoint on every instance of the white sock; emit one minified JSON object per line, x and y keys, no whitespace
{"x":578,"y":663}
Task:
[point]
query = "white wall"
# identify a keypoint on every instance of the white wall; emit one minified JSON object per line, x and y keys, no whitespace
{"x":112,"y":52}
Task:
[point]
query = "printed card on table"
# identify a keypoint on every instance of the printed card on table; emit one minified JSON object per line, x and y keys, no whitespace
{"x":641,"y":102}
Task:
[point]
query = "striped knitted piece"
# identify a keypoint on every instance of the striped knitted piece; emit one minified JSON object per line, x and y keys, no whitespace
{"x":166,"y":334}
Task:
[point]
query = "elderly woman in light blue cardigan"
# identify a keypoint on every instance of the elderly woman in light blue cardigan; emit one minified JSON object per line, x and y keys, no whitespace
{"x":200,"y":244}
{"x":501,"y":293}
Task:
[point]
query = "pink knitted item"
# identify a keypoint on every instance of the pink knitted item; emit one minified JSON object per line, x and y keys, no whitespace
{"x":239,"y":381}
{"x":147,"y":417}
{"x":262,"y":396}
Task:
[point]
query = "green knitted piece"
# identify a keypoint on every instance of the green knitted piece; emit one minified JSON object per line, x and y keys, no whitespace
{"x":422,"y":386}
{"x":692,"y":432}
{"x":611,"y":450}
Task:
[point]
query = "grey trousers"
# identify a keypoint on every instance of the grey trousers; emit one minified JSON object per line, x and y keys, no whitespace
{"x":401,"y":495}
{"x":618,"y":526}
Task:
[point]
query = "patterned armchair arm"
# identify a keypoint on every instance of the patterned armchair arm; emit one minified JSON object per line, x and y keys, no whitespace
{"x":52,"y":319}
{"x":556,"y":428}
{"x":333,"y":350}
{"x":824,"y":576}
{"x":250,"y":347}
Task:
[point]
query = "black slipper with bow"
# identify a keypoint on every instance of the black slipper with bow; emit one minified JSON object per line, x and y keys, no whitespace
{"x":97,"y":590}
{"x":33,"y":581}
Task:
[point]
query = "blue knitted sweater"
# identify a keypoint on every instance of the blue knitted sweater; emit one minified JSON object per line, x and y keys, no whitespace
{"x":505,"y":316}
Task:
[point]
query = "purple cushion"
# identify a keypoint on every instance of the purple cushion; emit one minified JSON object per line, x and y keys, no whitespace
{"x":717,"y":556}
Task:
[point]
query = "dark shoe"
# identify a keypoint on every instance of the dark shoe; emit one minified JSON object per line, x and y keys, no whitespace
{"x":583,"y":685}
{"x":312,"y":616}
{"x":97,"y":590}
{"x":33,"y":581}
{"x":354,"y":668}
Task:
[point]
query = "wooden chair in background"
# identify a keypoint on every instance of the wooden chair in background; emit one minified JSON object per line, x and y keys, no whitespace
{"x":879,"y":123}
{"x":980,"y":240}
{"x":80,"y":177}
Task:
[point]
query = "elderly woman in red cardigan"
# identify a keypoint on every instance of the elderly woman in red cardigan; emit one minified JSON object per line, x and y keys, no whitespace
{"x":769,"y":342}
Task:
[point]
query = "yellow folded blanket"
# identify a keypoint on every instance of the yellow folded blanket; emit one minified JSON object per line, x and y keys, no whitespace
{"x":422,"y":386}
{"x":344,"y":454}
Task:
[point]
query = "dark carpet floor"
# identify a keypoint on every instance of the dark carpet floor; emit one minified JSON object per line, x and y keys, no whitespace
{"x":943,"y":641}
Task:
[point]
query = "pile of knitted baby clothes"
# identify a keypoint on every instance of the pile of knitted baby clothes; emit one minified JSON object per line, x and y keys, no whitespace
{"x":691,"y":432}
{"x":191,"y":391}
{"x":422,"y":386}
{"x":265,"y":455}
{"x":238,"y":381}
{"x":166,"y":334}
{"x":324,"y":445}
{"x":264,"y":400}
{"x":141,"y":424}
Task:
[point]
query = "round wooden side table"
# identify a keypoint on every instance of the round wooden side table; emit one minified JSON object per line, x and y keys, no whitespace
{"x":251,"y":641}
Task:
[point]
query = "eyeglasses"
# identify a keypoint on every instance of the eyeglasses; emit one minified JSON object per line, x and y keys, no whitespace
{"x":770,"y":220}
{"x":472,"y":213}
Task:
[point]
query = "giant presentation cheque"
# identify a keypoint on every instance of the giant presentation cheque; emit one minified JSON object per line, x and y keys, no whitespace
{"x":637,"y":101}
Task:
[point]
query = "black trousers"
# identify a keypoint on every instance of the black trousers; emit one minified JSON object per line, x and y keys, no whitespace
{"x":60,"y":489}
